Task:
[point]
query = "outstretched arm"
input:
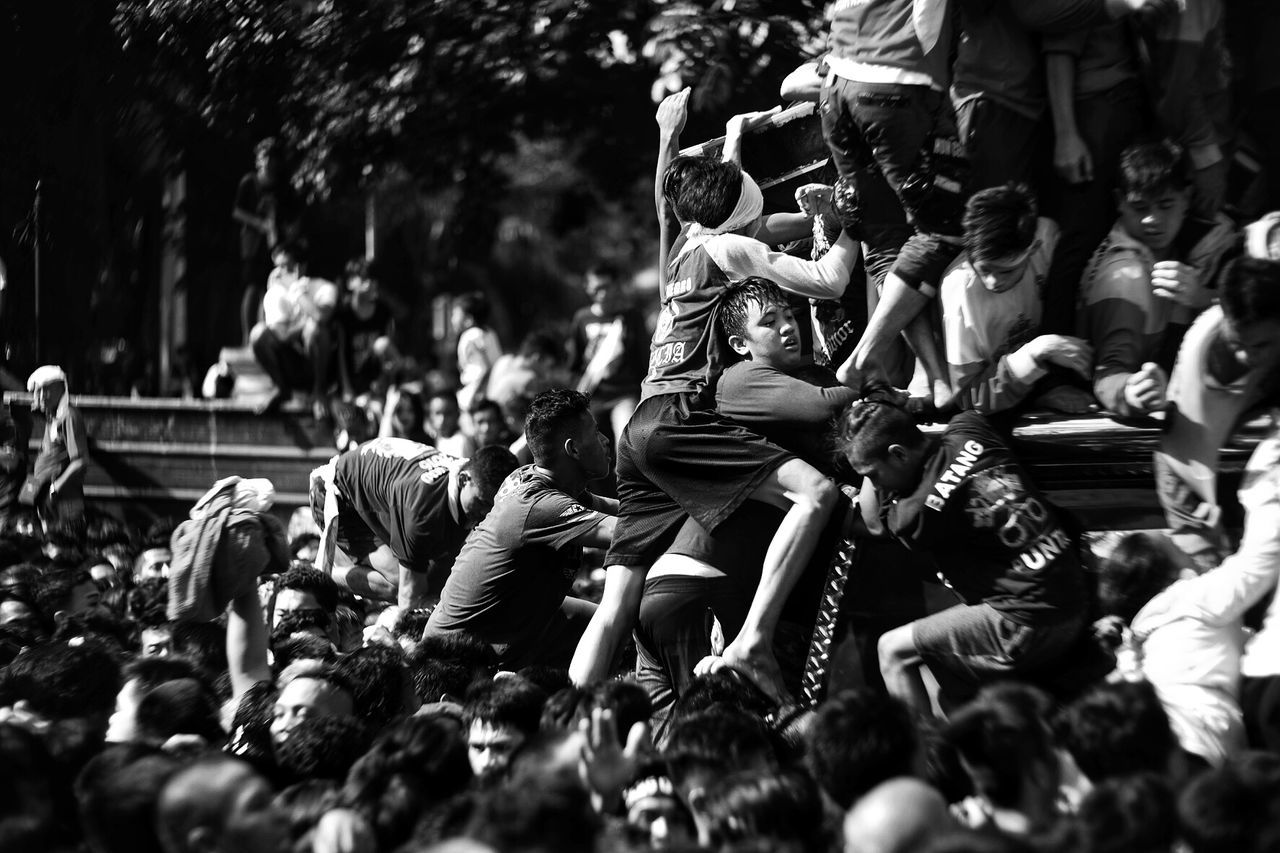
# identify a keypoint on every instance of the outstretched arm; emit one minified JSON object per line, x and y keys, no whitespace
{"x":672,"y":113}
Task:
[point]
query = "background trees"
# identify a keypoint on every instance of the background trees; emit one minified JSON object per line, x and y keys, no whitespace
{"x":507,"y":143}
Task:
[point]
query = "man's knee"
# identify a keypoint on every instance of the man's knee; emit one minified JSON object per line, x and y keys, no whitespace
{"x":807,"y":486}
{"x":261,"y":336}
{"x":896,"y":649}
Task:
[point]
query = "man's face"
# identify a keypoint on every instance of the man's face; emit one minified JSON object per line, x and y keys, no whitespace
{"x":122,"y":726}
{"x":294,"y":601}
{"x":104,"y":575}
{"x":490,"y":747}
{"x":892,"y":473}
{"x":488,"y":427}
{"x":604,"y":292}
{"x":1000,"y":274}
{"x":363,"y":287}
{"x":46,"y":397}
{"x":85,"y":598}
{"x":663,"y":819}
{"x":474,"y":503}
{"x":303,"y":699}
{"x":442,"y":415}
{"x":153,"y":563}
{"x":1254,"y":344}
{"x":593,"y":449}
{"x":770,"y":336}
{"x":17,"y":616}
{"x":157,"y":642}
{"x":1154,"y":219}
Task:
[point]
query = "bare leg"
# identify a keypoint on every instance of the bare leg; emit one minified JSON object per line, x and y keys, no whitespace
{"x":379,"y":579}
{"x":898,"y":306}
{"x":808,"y":498}
{"x":900,"y":665}
{"x":919,"y":335}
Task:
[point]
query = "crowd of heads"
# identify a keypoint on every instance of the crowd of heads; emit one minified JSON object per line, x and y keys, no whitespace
{"x":120,"y":732}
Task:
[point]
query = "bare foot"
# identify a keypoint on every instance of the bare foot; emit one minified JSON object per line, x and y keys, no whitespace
{"x":1068,"y":400}
{"x":943,"y":396}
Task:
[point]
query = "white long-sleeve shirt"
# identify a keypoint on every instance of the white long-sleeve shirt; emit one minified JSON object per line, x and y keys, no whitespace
{"x":1192,"y":634}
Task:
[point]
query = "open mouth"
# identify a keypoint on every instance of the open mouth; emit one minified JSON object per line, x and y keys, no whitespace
{"x":790,"y":344}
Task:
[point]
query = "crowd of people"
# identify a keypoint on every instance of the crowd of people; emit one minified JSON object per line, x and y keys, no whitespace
{"x":837,"y":612}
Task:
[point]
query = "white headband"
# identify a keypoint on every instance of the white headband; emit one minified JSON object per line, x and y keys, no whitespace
{"x":750,"y":206}
{"x":45,"y":375}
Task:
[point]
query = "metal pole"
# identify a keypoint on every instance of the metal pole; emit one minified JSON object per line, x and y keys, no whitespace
{"x":36,"y":229}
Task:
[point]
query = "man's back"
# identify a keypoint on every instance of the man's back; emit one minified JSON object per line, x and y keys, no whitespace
{"x":993,"y":535}
{"x":401,"y":490}
{"x":519,"y":563}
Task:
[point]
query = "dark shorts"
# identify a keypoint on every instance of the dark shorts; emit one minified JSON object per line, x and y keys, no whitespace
{"x":876,"y":133}
{"x":679,"y":458}
{"x":968,"y":646}
{"x":674,"y":633}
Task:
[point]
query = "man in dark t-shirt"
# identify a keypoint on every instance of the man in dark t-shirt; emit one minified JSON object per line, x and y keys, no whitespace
{"x":510,"y":585}
{"x":403,"y":509}
{"x":966,"y":500}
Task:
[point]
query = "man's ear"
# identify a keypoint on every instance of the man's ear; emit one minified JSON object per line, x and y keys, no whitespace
{"x":464,"y":479}
{"x":898,"y":452}
{"x":738,"y":344}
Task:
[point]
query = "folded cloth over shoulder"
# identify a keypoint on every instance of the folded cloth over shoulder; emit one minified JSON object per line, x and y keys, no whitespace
{"x":219,"y":551}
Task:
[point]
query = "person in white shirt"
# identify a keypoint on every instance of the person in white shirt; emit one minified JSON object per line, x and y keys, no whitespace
{"x":1186,"y":631}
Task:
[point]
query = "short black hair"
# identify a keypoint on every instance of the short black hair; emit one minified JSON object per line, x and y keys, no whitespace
{"x":476,"y":306}
{"x":65,"y":680}
{"x":1249,"y":291}
{"x":999,"y":221}
{"x":738,"y":300}
{"x":1151,"y":168}
{"x":54,"y":590}
{"x":721,"y":739}
{"x":379,"y":680}
{"x":869,"y":426}
{"x":782,"y":808}
{"x":1129,"y":813}
{"x":1224,"y":809}
{"x":858,"y":739}
{"x":314,"y":581}
{"x":554,"y":415}
{"x":542,"y":342}
{"x":484,"y":404}
{"x":702,"y":189}
{"x":117,"y":793}
{"x":488,"y":467}
{"x":414,"y":764}
{"x":322,"y":748}
{"x":358,"y":268}
{"x":511,"y":702}
{"x":1132,"y":574}
{"x":605,"y":270}
{"x":1117,"y":730}
{"x":1000,"y":735}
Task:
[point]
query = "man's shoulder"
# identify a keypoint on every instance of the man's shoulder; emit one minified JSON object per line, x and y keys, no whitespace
{"x":970,"y":429}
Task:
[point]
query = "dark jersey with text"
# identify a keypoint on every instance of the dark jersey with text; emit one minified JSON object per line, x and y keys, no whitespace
{"x":992,"y":534}
{"x":519,"y":563}
{"x":685,"y":354}
{"x":401,"y":490}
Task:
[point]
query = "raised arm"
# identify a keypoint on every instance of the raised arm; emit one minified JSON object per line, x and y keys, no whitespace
{"x":672,"y":113}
